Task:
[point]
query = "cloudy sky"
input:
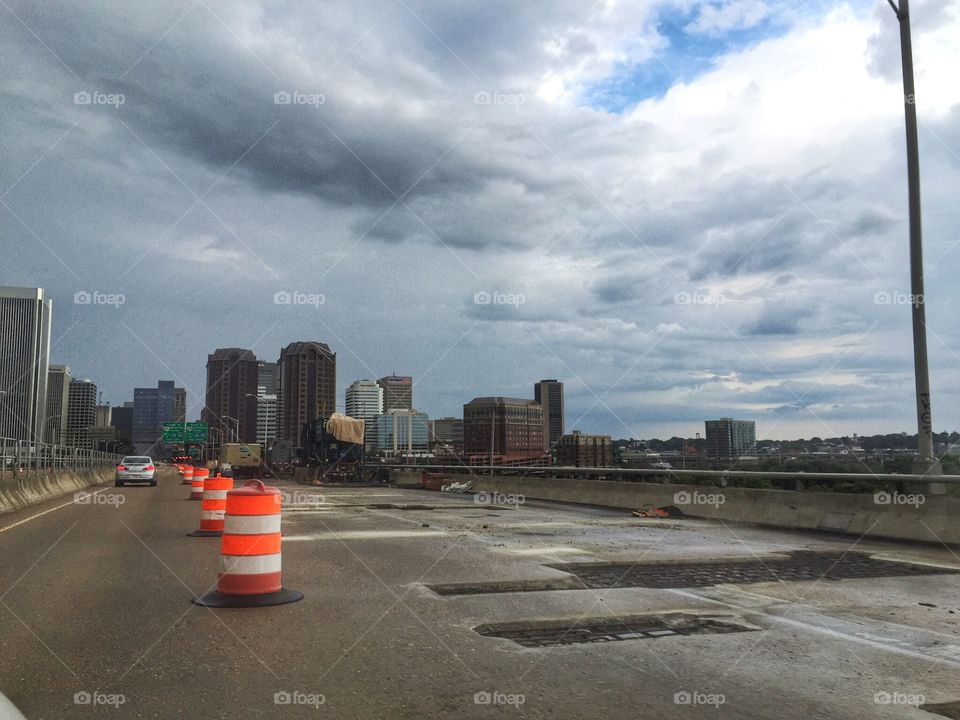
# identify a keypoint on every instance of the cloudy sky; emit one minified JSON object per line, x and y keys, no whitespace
{"x":682,"y":210}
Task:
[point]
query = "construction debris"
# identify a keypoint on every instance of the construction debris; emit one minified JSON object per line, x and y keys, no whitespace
{"x":457,"y":487}
{"x":658,"y":512}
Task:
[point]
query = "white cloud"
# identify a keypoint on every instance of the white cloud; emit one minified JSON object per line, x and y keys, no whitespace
{"x":733,"y":14}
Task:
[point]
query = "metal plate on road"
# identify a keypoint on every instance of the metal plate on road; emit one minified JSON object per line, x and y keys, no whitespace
{"x":599,"y":630}
{"x":797,"y":566}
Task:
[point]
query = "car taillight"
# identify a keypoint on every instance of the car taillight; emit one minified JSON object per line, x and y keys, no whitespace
{"x":121,"y":467}
{"x":149,"y":467}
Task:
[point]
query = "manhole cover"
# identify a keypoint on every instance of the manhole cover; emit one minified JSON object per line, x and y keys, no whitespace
{"x":597,"y":630}
{"x":799,"y":565}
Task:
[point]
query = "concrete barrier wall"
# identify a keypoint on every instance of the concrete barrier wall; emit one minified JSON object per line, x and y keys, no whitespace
{"x":45,"y":485}
{"x":932,"y":518}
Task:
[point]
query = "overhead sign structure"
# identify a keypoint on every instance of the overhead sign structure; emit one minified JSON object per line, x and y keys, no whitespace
{"x":191,"y":432}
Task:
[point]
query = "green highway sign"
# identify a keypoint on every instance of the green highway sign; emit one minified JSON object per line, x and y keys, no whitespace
{"x":191,"y":432}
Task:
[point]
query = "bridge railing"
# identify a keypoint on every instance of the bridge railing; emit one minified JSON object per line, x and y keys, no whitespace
{"x":23,"y":458}
{"x":747,"y":478}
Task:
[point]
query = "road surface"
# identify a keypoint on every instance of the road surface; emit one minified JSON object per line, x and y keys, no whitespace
{"x":95,"y":616}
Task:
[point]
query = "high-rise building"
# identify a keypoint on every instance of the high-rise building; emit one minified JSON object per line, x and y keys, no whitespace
{"x":308,"y":387}
{"x":397,"y":392}
{"x":268,"y":401}
{"x":508,"y":430}
{"x":58,"y":399}
{"x":122,"y":417}
{"x":24,"y":361}
{"x":81,"y":412}
{"x":365,"y":401}
{"x":266,"y":419}
{"x":233,"y":376}
{"x":728,"y":438}
{"x":268,"y":377}
{"x":402,"y":431}
{"x":151,"y":408}
{"x":579,"y":450}
{"x":549,"y":394}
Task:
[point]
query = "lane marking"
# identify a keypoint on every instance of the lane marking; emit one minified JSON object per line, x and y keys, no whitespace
{"x":822,"y":629}
{"x":548,"y":550}
{"x":365,"y":535}
{"x":50,"y":510}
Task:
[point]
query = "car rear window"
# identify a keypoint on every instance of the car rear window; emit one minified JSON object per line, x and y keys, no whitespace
{"x":136,"y":460}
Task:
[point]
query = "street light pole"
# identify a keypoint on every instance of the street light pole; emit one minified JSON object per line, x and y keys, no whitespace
{"x":926,"y":462}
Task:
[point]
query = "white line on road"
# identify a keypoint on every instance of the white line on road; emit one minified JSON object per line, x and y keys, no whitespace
{"x":820,"y":627}
{"x":365,"y":535}
{"x":50,"y":510}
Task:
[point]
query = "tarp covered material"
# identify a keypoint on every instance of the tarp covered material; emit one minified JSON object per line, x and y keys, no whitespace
{"x":346,"y":429}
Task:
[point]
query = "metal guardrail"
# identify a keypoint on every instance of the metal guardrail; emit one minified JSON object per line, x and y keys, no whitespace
{"x":723,"y":476}
{"x":23,"y":458}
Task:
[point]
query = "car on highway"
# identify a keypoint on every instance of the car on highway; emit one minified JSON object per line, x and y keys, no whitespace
{"x":136,"y":468}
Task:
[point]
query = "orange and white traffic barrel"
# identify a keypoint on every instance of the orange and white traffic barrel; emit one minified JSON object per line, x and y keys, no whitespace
{"x":250,"y":551}
{"x":187,"y":474}
{"x":214,"y":505}
{"x":196,"y":485}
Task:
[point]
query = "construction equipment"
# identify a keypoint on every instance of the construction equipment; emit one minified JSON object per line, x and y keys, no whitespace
{"x":241,"y":459}
{"x":335,"y":445}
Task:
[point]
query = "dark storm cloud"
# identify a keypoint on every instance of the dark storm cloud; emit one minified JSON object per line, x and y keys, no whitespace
{"x":200,"y":95}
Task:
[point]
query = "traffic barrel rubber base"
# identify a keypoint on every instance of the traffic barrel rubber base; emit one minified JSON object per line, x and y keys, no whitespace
{"x":217,"y":599}
{"x":206,"y":533}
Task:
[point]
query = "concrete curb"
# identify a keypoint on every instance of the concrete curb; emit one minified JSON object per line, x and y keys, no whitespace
{"x":47,"y":485}
{"x":934,"y":520}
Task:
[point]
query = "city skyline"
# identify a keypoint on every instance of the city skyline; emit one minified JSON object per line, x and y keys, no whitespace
{"x":674,"y":245}
{"x":262,"y":365}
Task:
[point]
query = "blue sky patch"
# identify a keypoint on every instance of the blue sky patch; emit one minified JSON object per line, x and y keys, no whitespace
{"x":687,"y":56}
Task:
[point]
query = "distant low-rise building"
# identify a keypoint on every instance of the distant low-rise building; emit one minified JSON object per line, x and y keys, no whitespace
{"x":579,"y":450}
